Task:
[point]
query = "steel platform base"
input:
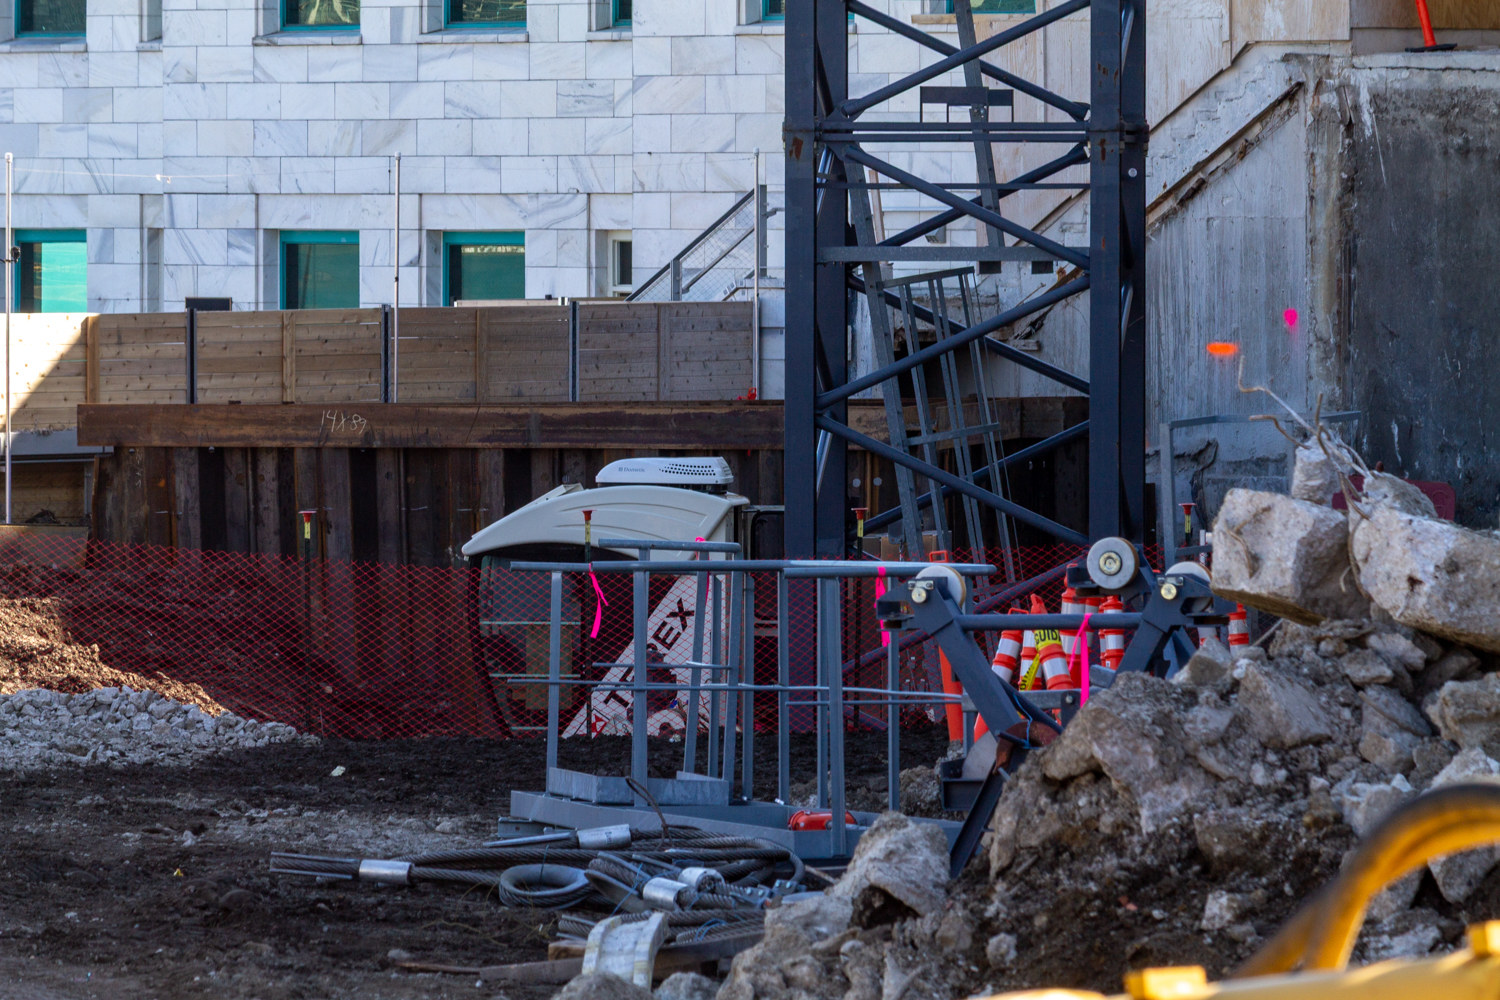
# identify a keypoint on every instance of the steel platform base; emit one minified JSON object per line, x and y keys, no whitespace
{"x":766,"y":820}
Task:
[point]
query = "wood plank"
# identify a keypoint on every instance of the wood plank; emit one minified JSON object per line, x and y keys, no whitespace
{"x":265,"y":498}
{"x":402,"y":425}
{"x":91,"y":335}
{"x":391,"y":539}
{"x":237,"y":500}
{"x":288,"y":360}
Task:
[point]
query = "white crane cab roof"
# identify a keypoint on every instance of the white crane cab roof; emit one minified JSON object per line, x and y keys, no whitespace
{"x":660,"y":499}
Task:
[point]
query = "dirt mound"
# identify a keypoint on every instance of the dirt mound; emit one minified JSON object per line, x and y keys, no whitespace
{"x":36,"y":651}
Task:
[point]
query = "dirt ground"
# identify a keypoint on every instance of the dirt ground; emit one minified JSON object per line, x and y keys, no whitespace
{"x":151,"y":883}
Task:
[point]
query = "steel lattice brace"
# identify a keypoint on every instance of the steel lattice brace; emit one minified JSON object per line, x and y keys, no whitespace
{"x":825,"y":133}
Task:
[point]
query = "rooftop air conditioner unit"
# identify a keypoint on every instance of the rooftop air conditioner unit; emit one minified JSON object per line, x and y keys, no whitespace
{"x":710,"y":474}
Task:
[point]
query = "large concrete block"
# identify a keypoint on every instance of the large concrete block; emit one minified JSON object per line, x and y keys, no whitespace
{"x":1285,"y":556}
{"x":1431,"y":575}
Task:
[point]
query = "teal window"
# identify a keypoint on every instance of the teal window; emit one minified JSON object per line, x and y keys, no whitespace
{"x":487,"y":13}
{"x":320,"y":15}
{"x":52,"y":274}
{"x":1000,"y":6}
{"x":773,"y":10}
{"x":483,"y":266}
{"x":622,"y":13}
{"x":319,"y":270}
{"x":49,"y":17}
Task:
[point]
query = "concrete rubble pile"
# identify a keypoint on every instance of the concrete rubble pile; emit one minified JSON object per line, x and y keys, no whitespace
{"x":119,"y":726}
{"x":1182,"y":821}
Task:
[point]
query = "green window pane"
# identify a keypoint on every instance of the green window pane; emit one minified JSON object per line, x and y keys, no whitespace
{"x":52,"y":277}
{"x":50,"y":17}
{"x":321,"y":13}
{"x":623,"y":12}
{"x":509,"y":12}
{"x":773,"y":10}
{"x":486,"y":271}
{"x":322,"y":275}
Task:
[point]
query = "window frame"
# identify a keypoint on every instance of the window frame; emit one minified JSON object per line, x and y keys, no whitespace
{"x":311,"y":27}
{"x":616,"y":286}
{"x":317,"y":237}
{"x":451,"y":25}
{"x":614,"y":15}
{"x":948,"y":5}
{"x":19,"y":236}
{"x":765,"y":11}
{"x":15,"y":13}
{"x":480,"y":238}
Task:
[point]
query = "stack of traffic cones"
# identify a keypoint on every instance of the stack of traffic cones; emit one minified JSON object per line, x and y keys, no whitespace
{"x":1112,"y":639}
{"x":1007,"y":656}
{"x":1239,"y":628}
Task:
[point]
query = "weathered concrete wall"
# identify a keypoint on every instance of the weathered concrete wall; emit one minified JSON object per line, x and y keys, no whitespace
{"x":1425,"y":224}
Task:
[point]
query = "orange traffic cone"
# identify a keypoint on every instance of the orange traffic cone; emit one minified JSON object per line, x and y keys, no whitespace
{"x":1093,"y":605}
{"x":1030,"y":666}
{"x":1239,"y":628}
{"x":1071,"y":605}
{"x":1054,"y":663}
{"x":1007,"y":656}
{"x":1112,"y":639}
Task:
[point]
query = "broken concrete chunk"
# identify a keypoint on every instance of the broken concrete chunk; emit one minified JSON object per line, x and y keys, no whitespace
{"x":601,"y":986}
{"x":1397,"y":709}
{"x":1387,"y":745}
{"x":906,"y":861}
{"x":1431,"y":575}
{"x":1132,"y":734}
{"x":1394,"y":493}
{"x":1365,"y":666}
{"x":1395,"y":897}
{"x":1208,"y":666}
{"x":820,"y":917}
{"x":1314,"y":478}
{"x":1000,"y":951}
{"x":1468,"y":713}
{"x":1458,"y":875}
{"x":687,"y":986}
{"x":1221,"y":909}
{"x":1365,"y":805}
{"x":1285,"y":556}
{"x":1282,"y":713}
{"x":1398,"y":649}
{"x":1456,"y":665}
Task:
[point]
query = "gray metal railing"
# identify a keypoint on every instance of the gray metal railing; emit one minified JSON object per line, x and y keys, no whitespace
{"x":717,"y":261}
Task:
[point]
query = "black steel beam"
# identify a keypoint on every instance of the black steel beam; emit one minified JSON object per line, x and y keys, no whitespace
{"x":959,"y":57}
{"x":1071,"y":108}
{"x":962,"y":337}
{"x":932,"y":472}
{"x":831,"y":304}
{"x":1026,"y":454}
{"x":800,"y":465}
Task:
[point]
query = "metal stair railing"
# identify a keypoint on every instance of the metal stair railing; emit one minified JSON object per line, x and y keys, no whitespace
{"x":716,"y":261}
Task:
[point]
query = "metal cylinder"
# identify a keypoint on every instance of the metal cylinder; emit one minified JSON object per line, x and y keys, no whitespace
{"x":604,"y":838}
{"x":390,"y":872}
{"x":667,"y":894}
{"x":701,"y":879}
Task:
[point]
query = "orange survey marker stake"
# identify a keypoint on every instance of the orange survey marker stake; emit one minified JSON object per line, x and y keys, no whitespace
{"x":1429,"y":37}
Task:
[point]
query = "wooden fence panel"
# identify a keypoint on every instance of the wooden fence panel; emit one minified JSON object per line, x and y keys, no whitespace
{"x":707,"y":350}
{"x":618,"y":351}
{"x":439,"y":356}
{"x":337,"y":355}
{"x":525,"y":352}
{"x":48,"y":357}
{"x":239,"y":357}
{"x":142,"y":358}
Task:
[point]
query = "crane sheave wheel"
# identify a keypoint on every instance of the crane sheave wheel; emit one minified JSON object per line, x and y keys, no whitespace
{"x":1112,"y":563}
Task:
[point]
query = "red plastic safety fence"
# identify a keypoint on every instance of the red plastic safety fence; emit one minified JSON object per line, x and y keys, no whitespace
{"x":367,"y":650}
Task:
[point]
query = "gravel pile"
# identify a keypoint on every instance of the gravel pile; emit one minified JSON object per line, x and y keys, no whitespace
{"x":118,"y":726}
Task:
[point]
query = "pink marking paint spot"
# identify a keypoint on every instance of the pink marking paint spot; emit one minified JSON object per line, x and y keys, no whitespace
{"x":1290,"y":318}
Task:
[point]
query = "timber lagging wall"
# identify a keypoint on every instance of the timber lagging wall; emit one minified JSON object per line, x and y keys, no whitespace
{"x":392,"y":505}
